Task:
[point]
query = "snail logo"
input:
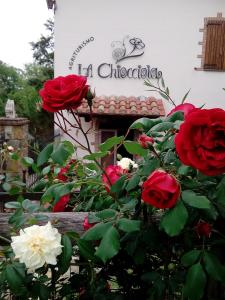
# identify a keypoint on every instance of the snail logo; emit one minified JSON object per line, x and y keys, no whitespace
{"x":128,"y":48}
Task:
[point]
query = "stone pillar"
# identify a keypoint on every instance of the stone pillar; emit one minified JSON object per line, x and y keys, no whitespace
{"x":14,"y":131}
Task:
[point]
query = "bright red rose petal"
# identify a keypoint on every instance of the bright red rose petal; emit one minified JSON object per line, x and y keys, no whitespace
{"x":64,"y":92}
{"x":200,"y":142}
{"x":160,"y":190}
{"x":61,"y":204}
{"x":114,"y":173}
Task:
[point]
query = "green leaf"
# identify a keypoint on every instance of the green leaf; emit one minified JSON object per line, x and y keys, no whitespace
{"x":190,"y":257}
{"x":86,"y":249}
{"x":175,"y":219}
{"x":117,"y":187}
{"x":143,"y":123}
{"x":185,"y":96}
{"x":63,"y":189}
{"x":66,"y":255}
{"x":96,"y":232}
{"x":46,"y":170}
{"x":111,"y":142}
{"x":162,"y":126}
{"x":96,"y":155}
{"x":15,"y":278}
{"x":128,"y":225}
{"x":44,"y":155}
{"x":135,"y":148}
{"x":49,"y":193}
{"x":184,"y":170}
{"x":27,"y":161}
{"x":30,"y":206}
{"x":195,"y":282}
{"x":13,"y":204}
{"x":192,"y":199}
{"x":61,"y":153}
{"x":44,"y":292}
{"x":69,"y":146}
{"x":6,"y":186}
{"x":149,"y":166}
{"x":106,"y":214}
{"x":214,"y":267}
{"x":164,"y":95}
{"x":110,"y":244}
{"x":177,"y":115}
{"x":133,"y":182}
{"x":130,"y":205}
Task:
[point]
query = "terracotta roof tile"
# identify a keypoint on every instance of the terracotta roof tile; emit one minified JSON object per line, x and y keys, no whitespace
{"x":122,"y":105}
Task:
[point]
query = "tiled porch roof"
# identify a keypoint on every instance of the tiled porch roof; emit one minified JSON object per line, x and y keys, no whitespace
{"x":122,"y":105}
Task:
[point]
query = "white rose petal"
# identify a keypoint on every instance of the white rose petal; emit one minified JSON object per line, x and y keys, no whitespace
{"x":127,"y":163}
{"x":37,"y":245}
{"x":10,"y":148}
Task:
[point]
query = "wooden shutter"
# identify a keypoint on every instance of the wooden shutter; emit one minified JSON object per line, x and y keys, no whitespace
{"x":215,"y":46}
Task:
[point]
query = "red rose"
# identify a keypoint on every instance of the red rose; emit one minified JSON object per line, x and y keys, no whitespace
{"x":186,"y":108}
{"x":61,"y":204}
{"x":203,"y":229}
{"x":145,"y":141}
{"x":113,"y":173}
{"x":87,"y":225}
{"x":63,"y":92}
{"x":200,"y":142}
{"x":160,"y":190}
{"x":61,"y":175}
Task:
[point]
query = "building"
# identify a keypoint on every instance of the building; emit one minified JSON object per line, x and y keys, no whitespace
{"x":120,"y":44}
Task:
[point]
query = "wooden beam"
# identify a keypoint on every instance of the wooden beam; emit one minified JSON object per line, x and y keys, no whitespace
{"x":65,"y":221}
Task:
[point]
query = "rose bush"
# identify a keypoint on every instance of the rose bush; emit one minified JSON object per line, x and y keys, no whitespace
{"x":155,"y":226}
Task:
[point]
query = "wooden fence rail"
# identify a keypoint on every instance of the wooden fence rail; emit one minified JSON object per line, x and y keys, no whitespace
{"x":65,"y":221}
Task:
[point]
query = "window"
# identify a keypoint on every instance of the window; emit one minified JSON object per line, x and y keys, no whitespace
{"x":214,"y":58}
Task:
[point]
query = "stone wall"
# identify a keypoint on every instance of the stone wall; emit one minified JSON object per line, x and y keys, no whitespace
{"x":14,"y":131}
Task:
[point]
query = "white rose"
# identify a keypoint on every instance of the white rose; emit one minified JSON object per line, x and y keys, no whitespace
{"x":127,"y":163}
{"x":37,"y":245}
{"x":10,"y":148}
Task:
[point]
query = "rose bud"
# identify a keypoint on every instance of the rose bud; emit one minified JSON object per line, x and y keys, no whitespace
{"x":87,"y":225}
{"x":186,"y":108}
{"x":60,"y":206}
{"x":145,"y":141}
{"x":203,"y":229}
{"x":161,"y":190}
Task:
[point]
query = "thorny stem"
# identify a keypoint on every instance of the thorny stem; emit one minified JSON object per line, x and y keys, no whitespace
{"x":63,"y":120}
{"x":5,"y":239}
{"x":66,"y":132}
{"x":59,"y":120}
{"x":88,"y":147}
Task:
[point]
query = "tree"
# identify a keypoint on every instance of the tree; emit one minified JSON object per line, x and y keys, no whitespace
{"x":44,"y":48}
{"x":10,"y":81}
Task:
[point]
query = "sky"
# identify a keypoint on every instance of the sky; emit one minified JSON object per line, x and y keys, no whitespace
{"x":21,"y":22}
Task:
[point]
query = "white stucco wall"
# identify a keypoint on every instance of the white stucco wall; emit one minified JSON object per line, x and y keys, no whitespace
{"x":169,"y":29}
